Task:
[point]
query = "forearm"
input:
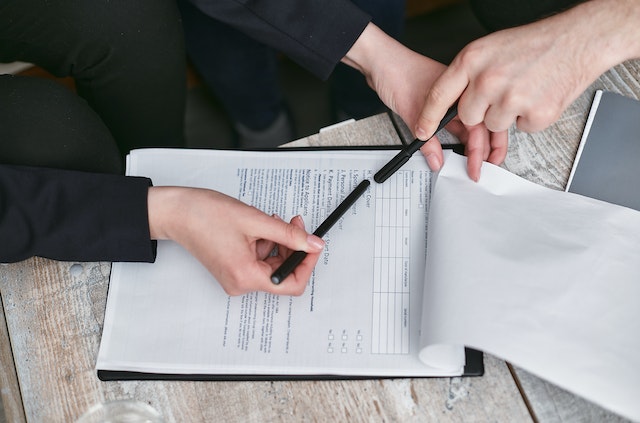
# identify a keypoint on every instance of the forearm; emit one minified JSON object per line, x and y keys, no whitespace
{"x":604,"y":32}
{"x":617,"y":27}
{"x":373,"y":50}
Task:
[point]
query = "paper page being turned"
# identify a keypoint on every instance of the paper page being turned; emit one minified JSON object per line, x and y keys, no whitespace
{"x":548,"y":280}
{"x":360,"y":312}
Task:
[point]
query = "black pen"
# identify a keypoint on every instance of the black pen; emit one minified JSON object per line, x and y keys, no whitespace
{"x":403,"y":156}
{"x":296,"y":258}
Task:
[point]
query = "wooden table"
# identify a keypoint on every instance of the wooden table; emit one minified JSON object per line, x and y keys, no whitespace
{"x":52,"y":314}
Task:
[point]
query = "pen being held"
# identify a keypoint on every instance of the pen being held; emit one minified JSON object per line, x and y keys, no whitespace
{"x":296,"y":258}
{"x":405,"y":154}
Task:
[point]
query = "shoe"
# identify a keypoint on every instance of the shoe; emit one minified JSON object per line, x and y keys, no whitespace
{"x":279,"y":132}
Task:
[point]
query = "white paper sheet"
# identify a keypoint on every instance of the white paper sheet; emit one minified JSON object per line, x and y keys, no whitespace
{"x":548,"y":280}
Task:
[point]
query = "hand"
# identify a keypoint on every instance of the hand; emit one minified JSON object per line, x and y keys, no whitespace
{"x":480,"y":145}
{"x":520,"y":74}
{"x":232,"y":240}
{"x":530,"y":74}
{"x":402,"y":77}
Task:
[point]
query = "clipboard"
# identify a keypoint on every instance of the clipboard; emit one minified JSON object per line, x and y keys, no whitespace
{"x":474,"y":367}
{"x":474,"y":364}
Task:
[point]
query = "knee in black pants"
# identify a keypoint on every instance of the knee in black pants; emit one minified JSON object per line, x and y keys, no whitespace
{"x":45,"y":124}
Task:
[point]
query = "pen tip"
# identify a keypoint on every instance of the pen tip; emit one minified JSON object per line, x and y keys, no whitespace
{"x":276,"y":279}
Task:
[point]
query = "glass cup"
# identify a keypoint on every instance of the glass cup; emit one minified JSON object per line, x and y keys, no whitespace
{"x":121,"y":411}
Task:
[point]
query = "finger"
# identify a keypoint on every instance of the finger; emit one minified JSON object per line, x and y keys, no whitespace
{"x":499,"y":146}
{"x":499,"y":119}
{"x":288,"y":235}
{"x":472,"y":108}
{"x":298,"y":221}
{"x":296,"y":282}
{"x":476,"y":150}
{"x":457,"y":128}
{"x":265,"y":248}
{"x":432,"y":151}
{"x":283,"y":250}
{"x":255,"y":275}
{"x":443,"y":93}
{"x":536,"y":120}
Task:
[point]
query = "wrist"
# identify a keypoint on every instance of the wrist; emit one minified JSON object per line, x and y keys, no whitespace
{"x":164,"y":211}
{"x":366,"y":51}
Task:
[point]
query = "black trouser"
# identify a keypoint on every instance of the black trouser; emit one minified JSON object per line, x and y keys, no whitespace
{"x":45,"y":124}
{"x":127,"y":59}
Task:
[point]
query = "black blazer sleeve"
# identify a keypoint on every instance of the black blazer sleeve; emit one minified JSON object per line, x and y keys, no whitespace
{"x":73,"y":216}
{"x":315,"y":33}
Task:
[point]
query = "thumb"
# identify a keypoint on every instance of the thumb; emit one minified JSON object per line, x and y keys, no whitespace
{"x":443,"y":93}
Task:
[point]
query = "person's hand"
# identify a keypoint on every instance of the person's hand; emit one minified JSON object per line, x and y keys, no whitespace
{"x":530,"y":74}
{"x":480,"y":145}
{"x":401,"y":78}
{"x":232,"y":240}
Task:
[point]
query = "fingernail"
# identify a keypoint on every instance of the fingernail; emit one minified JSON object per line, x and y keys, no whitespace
{"x":315,"y":241}
{"x":434,"y":162}
{"x":420,"y":133}
{"x":276,"y":216}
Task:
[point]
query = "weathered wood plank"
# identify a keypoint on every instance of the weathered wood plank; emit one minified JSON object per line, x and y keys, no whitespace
{"x":372,"y":131}
{"x":10,"y":400}
{"x":402,"y":400}
{"x":552,"y":404}
{"x":55,"y":332}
